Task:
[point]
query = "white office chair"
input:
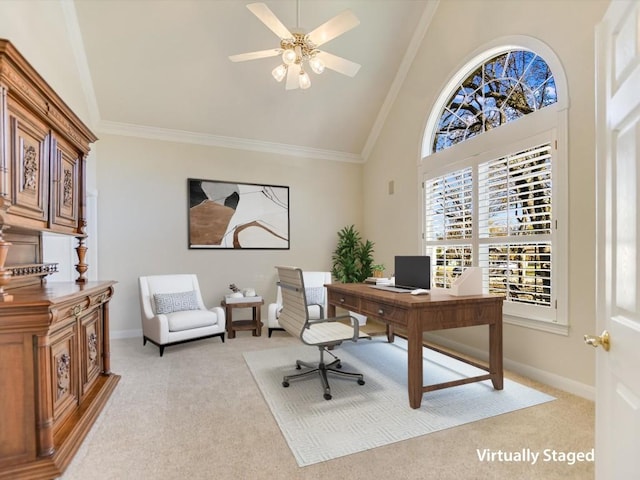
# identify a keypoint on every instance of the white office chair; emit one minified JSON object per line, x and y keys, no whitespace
{"x":324,"y":333}
{"x":314,"y":283}
{"x":172,"y":311}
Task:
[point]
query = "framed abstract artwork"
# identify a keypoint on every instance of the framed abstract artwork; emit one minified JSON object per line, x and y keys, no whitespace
{"x":234,"y":215}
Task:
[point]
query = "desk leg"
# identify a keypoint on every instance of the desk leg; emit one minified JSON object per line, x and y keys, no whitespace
{"x":495,"y":353}
{"x":414,"y":373}
{"x":390,"y":333}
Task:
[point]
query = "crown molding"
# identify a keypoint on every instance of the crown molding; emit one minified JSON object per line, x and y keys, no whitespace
{"x":403,"y":70}
{"x":182,"y":136}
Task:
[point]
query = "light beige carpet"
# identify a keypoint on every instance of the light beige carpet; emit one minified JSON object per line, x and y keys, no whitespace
{"x":363,"y":417}
{"x":197,"y":414}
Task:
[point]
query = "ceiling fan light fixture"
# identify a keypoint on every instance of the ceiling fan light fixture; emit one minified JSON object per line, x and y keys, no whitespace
{"x":289,"y":56}
{"x":299,"y":50}
{"x":316,"y":65}
{"x":304,"y":80}
{"x":279,"y":72}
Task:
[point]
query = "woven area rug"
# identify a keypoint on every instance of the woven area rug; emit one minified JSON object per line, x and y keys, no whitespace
{"x":358,"y":417}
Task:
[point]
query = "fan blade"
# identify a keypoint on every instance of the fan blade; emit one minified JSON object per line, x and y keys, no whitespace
{"x":339,"y":64}
{"x":243,"y":57}
{"x":267,"y":17}
{"x":293,"y":76}
{"x":329,"y":30}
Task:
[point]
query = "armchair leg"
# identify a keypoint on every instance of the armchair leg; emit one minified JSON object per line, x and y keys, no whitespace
{"x":271,"y":329}
{"x":162,"y":347}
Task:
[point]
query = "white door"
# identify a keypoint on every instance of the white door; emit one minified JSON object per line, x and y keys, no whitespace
{"x":618,"y":242}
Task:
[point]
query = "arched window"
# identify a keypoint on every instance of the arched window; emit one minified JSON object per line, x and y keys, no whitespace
{"x":500,"y":90}
{"x":494,"y":178}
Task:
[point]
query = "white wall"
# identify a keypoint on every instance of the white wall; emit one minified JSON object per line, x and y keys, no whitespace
{"x":142,"y":206}
{"x":37,"y":29}
{"x":459,"y":28}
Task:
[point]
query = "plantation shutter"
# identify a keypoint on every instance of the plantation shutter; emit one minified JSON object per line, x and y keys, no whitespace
{"x":515,"y":225}
{"x":449,"y":224}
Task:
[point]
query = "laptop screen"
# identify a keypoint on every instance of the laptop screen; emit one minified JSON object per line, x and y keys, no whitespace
{"x":413,"y":271}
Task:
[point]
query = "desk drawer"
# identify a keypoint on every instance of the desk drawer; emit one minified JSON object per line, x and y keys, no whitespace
{"x":385,"y":312}
{"x":343,"y":301}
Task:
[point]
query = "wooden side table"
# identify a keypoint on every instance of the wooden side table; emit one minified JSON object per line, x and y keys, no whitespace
{"x":254,"y":324}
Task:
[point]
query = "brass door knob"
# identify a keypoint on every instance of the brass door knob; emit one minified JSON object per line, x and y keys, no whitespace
{"x":596,"y":341}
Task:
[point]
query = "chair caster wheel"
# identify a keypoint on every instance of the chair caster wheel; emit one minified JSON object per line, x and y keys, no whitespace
{"x":360,"y":382}
{"x":285,"y":384}
{"x":339,"y":365}
{"x":298,"y":367}
{"x":327,"y":396}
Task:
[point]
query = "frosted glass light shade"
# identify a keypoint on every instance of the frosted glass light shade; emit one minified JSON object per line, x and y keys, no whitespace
{"x":304,"y":80}
{"x":279,"y":72}
{"x":289,"y":56}
{"x":316,"y":65}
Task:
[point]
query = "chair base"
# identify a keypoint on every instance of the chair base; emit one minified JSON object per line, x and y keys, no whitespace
{"x":322,"y":370}
{"x":161,"y":346}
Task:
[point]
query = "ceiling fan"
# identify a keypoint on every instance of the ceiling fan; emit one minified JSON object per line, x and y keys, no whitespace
{"x":299,"y":50}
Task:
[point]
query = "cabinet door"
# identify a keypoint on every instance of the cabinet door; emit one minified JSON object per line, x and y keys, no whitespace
{"x":65,"y":192}
{"x":90,"y":348}
{"x":29,"y":164}
{"x":64,"y":365}
{"x":17,"y":408}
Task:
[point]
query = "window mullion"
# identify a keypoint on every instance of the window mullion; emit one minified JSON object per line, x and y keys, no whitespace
{"x":475,"y":235}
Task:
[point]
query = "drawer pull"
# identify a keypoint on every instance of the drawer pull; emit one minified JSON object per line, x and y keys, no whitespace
{"x":342,"y":300}
{"x":380,"y":311}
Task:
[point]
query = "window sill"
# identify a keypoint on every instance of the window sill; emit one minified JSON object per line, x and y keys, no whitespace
{"x":549,"y":327}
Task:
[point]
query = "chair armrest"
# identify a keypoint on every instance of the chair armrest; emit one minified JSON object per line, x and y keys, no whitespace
{"x":272,"y":314}
{"x":222,"y":319}
{"x":156,"y":328}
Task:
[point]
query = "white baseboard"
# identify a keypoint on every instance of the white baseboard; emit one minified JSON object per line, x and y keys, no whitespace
{"x":553,"y":380}
{"x":126,"y":334}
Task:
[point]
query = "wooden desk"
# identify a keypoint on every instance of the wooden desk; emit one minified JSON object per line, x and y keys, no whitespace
{"x":422,"y":313}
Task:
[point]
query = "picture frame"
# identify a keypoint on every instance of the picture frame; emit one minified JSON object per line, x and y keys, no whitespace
{"x":237,"y":215}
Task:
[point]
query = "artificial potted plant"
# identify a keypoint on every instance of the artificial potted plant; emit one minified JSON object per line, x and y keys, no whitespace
{"x":352,"y":260}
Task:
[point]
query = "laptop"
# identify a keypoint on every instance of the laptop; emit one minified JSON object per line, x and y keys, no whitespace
{"x":411,"y":272}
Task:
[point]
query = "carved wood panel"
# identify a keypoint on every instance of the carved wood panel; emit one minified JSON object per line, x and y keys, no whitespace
{"x":65,"y":185}
{"x":90,"y":349}
{"x":64,"y":378}
{"x":29,"y":157}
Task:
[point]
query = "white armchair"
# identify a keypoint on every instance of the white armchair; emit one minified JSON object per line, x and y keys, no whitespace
{"x":173,"y":312}
{"x":316,"y":299}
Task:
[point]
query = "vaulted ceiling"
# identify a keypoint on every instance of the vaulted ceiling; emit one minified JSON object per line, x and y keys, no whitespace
{"x":161,"y":69}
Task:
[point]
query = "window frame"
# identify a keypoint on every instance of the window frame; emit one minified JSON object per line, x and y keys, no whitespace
{"x":545,"y":125}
